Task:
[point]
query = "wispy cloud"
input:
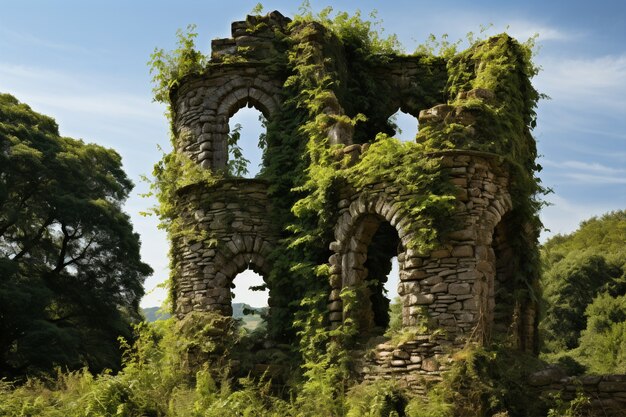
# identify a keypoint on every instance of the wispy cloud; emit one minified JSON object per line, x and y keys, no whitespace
{"x":29,"y":40}
{"x":597,"y":83}
{"x":118,"y":105}
{"x":594,"y":167}
{"x":564,"y":215}
{"x":589,"y":173}
{"x":456,"y":24}
{"x":60,"y":91}
{"x":582,"y":178}
{"x":522,"y":30}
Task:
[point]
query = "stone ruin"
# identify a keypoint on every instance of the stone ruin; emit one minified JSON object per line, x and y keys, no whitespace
{"x":463,"y":287}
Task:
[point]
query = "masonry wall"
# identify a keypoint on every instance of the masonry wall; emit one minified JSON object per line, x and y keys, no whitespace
{"x":231,"y":232}
{"x":606,"y":393}
{"x":453,"y":290}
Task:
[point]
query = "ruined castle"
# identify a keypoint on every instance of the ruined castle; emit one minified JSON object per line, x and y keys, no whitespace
{"x":467,"y":288}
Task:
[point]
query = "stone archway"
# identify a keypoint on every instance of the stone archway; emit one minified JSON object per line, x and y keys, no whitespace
{"x":242,"y":253}
{"x":354,"y":234}
{"x":255,"y":93}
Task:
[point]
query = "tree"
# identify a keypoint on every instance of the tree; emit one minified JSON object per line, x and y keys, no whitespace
{"x":70,"y":271}
{"x":570,"y":286}
{"x":603,"y":342}
{"x":576,"y":269}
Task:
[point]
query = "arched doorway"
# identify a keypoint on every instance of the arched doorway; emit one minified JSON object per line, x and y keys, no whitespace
{"x":366,"y":266}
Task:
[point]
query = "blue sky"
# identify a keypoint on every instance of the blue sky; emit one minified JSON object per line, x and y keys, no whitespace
{"x":84,"y":63}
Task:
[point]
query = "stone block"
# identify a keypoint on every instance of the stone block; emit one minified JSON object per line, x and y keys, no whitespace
{"x":459,"y":288}
{"x":465,"y":317}
{"x":415,"y":359}
{"x":610,"y":386}
{"x":440,"y":253}
{"x":464,"y":251}
{"x":433,"y":280}
{"x":430,"y":365}
{"x":401,"y":354}
{"x":412,"y":275}
{"x":424,"y":299}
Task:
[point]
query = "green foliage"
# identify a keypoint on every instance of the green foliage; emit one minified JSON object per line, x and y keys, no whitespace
{"x":570,"y":285}
{"x":237,"y":164}
{"x":603,"y":342}
{"x":366,"y":34}
{"x":486,"y":382}
{"x":604,"y":234}
{"x":395,"y":317}
{"x":379,"y":399}
{"x":585,"y":273}
{"x":69,"y":259}
{"x":168,"y":68}
{"x":578,"y":407}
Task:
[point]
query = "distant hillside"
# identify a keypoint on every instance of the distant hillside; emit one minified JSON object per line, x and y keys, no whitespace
{"x":153,"y":314}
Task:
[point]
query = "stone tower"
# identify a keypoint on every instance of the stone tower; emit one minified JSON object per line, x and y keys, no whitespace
{"x":466,"y":289}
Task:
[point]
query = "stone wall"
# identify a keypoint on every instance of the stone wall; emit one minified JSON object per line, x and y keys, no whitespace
{"x":238,"y":75}
{"x":232,"y":232}
{"x":454,"y":291}
{"x":606,"y":393}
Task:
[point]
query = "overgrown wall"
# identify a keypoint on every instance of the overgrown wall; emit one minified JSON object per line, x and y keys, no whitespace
{"x":330,"y":208}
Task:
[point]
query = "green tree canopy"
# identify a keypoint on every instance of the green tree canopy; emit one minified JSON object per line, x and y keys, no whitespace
{"x":603,"y":342}
{"x":70,"y":271}
{"x":582,"y":271}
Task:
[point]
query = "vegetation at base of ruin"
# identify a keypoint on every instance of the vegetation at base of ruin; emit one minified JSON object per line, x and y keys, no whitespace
{"x":584,"y":281}
{"x":70,"y":272}
{"x":156,"y":381}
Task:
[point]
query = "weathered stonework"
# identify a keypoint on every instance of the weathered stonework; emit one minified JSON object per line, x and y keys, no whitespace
{"x":462,"y":292}
{"x":233,"y":233}
{"x":606,"y":393}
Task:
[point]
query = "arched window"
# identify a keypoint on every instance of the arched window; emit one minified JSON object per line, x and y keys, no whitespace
{"x":405,"y":125}
{"x":249,"y":299}
{"x":246,"y":142}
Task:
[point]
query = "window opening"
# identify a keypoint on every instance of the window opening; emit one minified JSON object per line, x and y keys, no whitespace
{"x":249,"y":299}
{"x":395,"y":302}
{"x":381,"y":252}
{"x":246,"y":142}
{"x":405,"y":126}
{"x":503,"y":283}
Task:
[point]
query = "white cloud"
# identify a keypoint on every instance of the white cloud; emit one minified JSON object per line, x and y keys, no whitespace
{"x":564,"y":216}
{"x":582,"y":178}
{"x":596,"y":84}
{"x":59,"y":92}
{"x":583,"y":166}
{"x":523,"y":30}
{"x":589,"y":173}
{"x":108,"y":105}
{"x":29,"y":40}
